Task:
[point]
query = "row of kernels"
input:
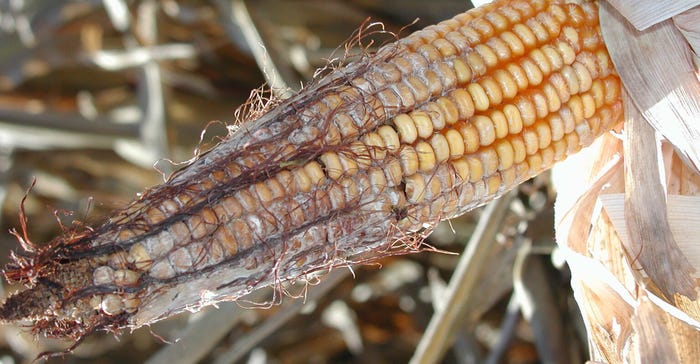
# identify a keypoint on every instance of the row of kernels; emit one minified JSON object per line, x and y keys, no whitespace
{"x":113,"y":304}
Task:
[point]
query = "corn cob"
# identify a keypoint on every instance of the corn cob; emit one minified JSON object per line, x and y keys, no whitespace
{"x":425,"y":129}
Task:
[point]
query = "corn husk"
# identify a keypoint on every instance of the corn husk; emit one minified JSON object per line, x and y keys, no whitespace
{"x":628,"y":211}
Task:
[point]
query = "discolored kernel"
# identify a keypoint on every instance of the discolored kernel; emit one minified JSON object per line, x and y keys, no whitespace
{"x":426,"y":156}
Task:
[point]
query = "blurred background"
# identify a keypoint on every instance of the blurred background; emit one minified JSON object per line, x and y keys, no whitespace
{"x":99,"y":98}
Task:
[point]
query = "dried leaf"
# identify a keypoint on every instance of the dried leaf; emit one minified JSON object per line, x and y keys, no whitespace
{"x":645,"y":13}
{"x":656,"y":68}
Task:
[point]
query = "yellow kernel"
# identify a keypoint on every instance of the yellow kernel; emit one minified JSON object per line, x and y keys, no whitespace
{"x":556,"y":125}
{"x":393,"y":172}
{"x":415,"y":188}
{"x":445,"y":47}
{"x":598,"y":92}
{"x":375,"y":144}
{"x":533,"y":73}
{"x":535,"y":163}
{"x":538,"y":29}
{"x":389,"y":99}
{"x":541,"y":61}
{"x":493,"y":184}
{"x":497,"y":20}
{"x":449,"y":110}
{"x":331,"y":162}
{"x":570,"y":35}
{"x":519,"y":76}
{"x":527,"y":110}
{"x":346,"y":125}
{"x":584,"y":77}
{"x":405,"y":94}
{"x":477,"y":64}
{"x":500,"y":48}
{"x":525,"y":35}
{"x":588,"y":105}
{"x":264,"y":193}
{"x":464,"y":103}
{"x":489,"y":161}
{"x":558,"y":82}
{"x":557,"y":12}
{"x":492,"y":89}
{"x":505,"y":81}
{"x":247,"y":200}
{"x":350,"y":188}
{"x":487,"y":54}
{"x":389,"y":137}
{"x":550,"y":23}
{"x":455,"y":142}
{"x":547,"y":157}
{"x":476,"y":170}
{"x":509,"y":177}
{"x":139,"y":257}
{"x":500,"y":123}
{"x":409,"y":160}
{"x":519,"y":152}
{"x":462,"y":70}
{"x":612,"y":90}
{"x":423,"y":124}
{"x":540,"y":101}
{"x":461,"y":167}
{"x":441,"y":147}
{"x":603,"y":60}
{"x":550,"y":93}
{"x":514,"y":43}
{"x":426,"y":156}
{"x":512,"y":114}
{"x":478,"y":95}
{"x":276,"y":188}
{"x":559,"y":149}
{"x":435,"y":113}
{"x":571,"y":79}
{"x":406,"y":128}
{"x":302,"y":180}
{"x":486,"y":129}
{"x":532,"y":143}
{"x":568,"y":55}
{"x":315,"y":173}
{"x":553,"y":57}
{"x":576,"y":106}
{"x":544,"y":135}
{"x":470,"y":135}
{"x":572,"y":143}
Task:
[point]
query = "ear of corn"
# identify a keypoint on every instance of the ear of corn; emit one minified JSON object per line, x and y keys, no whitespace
{"x":427,"y":128}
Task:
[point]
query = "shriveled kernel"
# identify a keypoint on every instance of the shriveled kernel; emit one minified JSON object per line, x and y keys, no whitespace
{"x":336,"y":196}
{"x":461,"y":167}
{"x":393,"y":172}
{"x":455,"y":142}
{"x":463,"y":101}
{"x":315,"y":173}
{"x":470,"y":135}
{"x":225,"y":237}
{"x":492,"y":89}
{"x":103,"y":275}
{"x":489,"y":161}
{"x":476,"y":169}
{"x":426,"y":156}
{"x":409,"y":160}
{"x":111,"y":305}
{"x":449,"y":110}
{"x":507,"y":84}
{"x":415,"y":188}
{"x":331,"y":162}
{"x":375,"y":144}
{"x":352,"y":193}
{"x":138,"y":255}
{"x":263,"y":192}
{"x":515,"y":122}
{"x":302,"y":180}
{"x":477,"y":64}
{"x":377,"y":179}
{"x":422,"y":122}
{"x":478,"y":95}
{"x":125,"y":277}
{"x":440,"y":147}
{"x":349,"y":161}
{"x":500,"y":123}
{"x":436,"y":115}
{"x":406,"y":128}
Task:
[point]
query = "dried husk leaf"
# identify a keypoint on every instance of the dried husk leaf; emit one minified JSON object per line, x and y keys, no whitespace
{"x":645,"y":13}
{"x":657,"y":70}
{"x":688,"y":23}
